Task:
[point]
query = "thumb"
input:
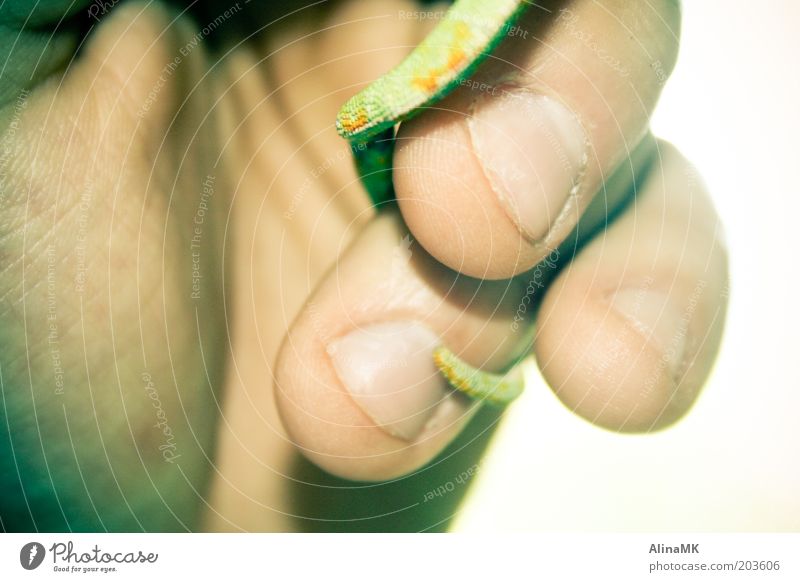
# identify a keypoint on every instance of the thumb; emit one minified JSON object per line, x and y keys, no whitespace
{"x":498,"y":174}
{"x":356,"y":384}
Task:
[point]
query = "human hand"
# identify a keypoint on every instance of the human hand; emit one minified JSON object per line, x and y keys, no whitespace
{"x":112,"y":164}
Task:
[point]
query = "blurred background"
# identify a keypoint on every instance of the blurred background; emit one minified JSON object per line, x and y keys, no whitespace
{"x":734,"y":462}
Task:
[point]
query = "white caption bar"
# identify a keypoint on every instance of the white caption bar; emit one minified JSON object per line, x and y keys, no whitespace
{"x":387,"y":557}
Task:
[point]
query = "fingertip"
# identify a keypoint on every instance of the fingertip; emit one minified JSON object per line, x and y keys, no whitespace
{"x":447,"y":201}
{"x":356,"y":383}
{"x":611,"y":368}
{"x":628,"y":333}
{"x":500,"y":172}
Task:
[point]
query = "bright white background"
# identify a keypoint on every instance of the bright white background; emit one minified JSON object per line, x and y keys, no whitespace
{"x":734,"y":462}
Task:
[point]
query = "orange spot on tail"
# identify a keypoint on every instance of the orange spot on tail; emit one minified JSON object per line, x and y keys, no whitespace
{"x":430,"y":80}
{"x":455,"y":58}
{"x":428,"y":83}
{"x":351,"y":124}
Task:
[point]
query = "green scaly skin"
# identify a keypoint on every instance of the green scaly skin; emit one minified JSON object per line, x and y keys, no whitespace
{"x":450,"y":53}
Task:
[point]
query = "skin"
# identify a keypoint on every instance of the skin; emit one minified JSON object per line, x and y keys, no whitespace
{"x":241,"y":373}
{"x":447,"y":56}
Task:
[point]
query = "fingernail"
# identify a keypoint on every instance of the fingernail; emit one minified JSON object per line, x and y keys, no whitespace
{"x":533,"y":152}
{"x":654,"y":316}
{"x":388,"y":369}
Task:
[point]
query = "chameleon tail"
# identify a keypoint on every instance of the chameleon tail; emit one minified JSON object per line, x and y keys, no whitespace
{"x":373,"y":159}
{"x":467,"y":34}
{"x":494,"y":389}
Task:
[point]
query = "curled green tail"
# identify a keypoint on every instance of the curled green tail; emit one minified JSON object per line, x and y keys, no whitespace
{"x":495,"y":389}
{"x":467,"y":34}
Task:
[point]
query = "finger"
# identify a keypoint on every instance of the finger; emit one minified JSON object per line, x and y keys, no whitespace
{"x":495,"y":176}
{"x":629,"y":331}
{"x":356,"y":384}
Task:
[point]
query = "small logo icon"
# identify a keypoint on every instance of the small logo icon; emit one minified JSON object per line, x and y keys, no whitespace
{"x":31,"y":555}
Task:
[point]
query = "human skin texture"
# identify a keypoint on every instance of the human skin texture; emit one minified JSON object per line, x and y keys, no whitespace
{"x":467,"y":34}
{"x":197,"y":292}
